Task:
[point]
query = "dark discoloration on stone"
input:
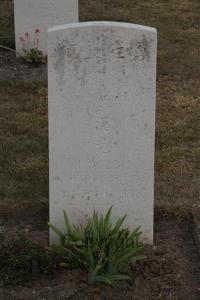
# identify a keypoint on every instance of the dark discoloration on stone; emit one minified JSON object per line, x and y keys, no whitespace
{"x":102,"y":50}
{"x":139,"y":50}
{"x":145,"y":46}
{"x":59,"y":62}
{"x":65,"y":53}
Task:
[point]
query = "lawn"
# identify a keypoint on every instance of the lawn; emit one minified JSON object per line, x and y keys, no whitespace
{"x":23,"y":109}
{"x":6,"y":23}
{"x":23,"y":147}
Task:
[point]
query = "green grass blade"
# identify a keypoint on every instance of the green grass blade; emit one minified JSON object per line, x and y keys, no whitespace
{"x":56,"y":230}
{"x":67,"y":223}
{"x":119,"y":223}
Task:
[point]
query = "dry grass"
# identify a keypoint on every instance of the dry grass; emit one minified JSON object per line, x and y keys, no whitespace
{"x":177,"y":22}
{"x":23,"y":154}
{"x":23,"y":147}
{"x":6,"y":23}
{"x":177,"y":143}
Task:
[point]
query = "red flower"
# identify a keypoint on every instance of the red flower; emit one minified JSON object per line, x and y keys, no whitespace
{"x":37,"y":30}
{"x":22,"y":39}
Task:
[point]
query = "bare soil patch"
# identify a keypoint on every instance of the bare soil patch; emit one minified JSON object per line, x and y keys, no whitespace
{"x":12,"y":68}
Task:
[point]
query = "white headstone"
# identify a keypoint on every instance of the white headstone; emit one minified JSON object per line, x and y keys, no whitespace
{"x":102,"y":90}
{"x":31,"y":15}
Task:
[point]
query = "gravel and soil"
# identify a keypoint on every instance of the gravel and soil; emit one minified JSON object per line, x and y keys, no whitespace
{"x":16,"y":69}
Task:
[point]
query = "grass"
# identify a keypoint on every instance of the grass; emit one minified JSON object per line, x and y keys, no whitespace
{"x":177,"y":23}
{"x":6,"y":23}
{"x":23,"y":147}
{"x":102,"y":248}
{"x":177,"y":144}
{"x":104,"y":251}
{"x":22,"y":260}
{"x":23,"y":109}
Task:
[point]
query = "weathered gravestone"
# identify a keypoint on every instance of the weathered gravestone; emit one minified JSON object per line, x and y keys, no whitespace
{"x":32,"y":15}
{"x":102,"y":85}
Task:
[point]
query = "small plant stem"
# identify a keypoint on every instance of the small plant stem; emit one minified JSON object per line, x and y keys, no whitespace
{"x":9,"y":49}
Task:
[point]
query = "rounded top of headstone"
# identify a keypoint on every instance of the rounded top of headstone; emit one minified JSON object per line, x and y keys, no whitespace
{"x":102,"y":24}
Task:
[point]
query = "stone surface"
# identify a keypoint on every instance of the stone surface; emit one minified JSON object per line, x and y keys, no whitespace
{"x":102,"y":88}
{"x":41,"y":14}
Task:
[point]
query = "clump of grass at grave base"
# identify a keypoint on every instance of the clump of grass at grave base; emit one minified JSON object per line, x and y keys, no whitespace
{"x":104,"y":250}
{"x":34,"y":56}
{"x":30,"y":47}
{"x":22,"y":260}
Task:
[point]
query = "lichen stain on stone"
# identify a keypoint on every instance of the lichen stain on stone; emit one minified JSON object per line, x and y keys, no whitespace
{"x":120,"y":50}
{"x":73,"y":57}
{"x":59,"y":62}
{"x":68,"y":53}
{"x":83,"y":76}
{"x":65,"y":53}
{"x":144,"y":47}
{"x":130,"y":49}
{"x":139,"y":50}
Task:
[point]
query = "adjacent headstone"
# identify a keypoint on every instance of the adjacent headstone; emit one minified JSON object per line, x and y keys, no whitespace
{"x":32,"y":15}
{"x":102,"y":87}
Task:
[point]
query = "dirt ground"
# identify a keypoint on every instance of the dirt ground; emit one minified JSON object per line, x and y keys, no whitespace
{"x":15,"y":69}
{"x":171,"y":270}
